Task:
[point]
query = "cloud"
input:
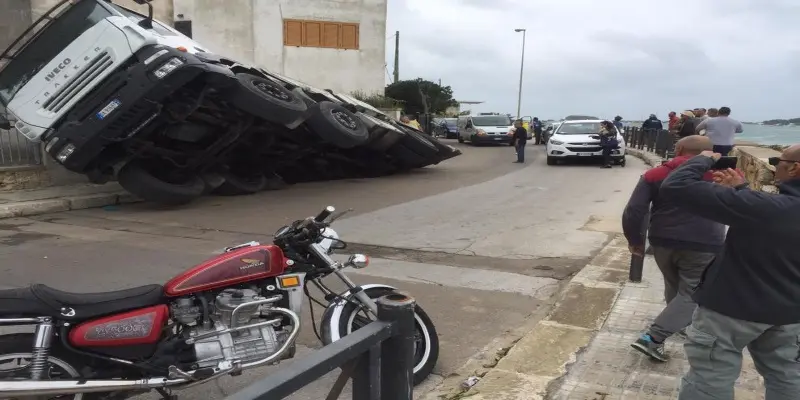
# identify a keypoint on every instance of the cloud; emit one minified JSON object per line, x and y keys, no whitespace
{"x":627,"y":57}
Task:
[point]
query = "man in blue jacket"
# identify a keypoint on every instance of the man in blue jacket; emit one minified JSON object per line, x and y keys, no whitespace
{"x":750,"y":295}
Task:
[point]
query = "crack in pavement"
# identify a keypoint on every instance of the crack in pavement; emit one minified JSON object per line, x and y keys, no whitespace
{"x":558,"y":268}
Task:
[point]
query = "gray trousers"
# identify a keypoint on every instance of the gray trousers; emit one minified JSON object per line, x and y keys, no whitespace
{"x":714,"y":351}
{"x":682,"y":270}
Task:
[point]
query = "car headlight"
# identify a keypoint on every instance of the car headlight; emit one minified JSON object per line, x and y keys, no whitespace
{"x":167,"y":67}
{"x":556,"y":142}
{"x":64,"y":153}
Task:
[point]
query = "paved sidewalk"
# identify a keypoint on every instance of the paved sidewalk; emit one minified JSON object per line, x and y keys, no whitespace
{"x":22,"y":203}
{"x":609,"y":365}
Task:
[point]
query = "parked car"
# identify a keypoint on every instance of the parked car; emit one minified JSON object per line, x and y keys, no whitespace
{"x":448,"y":128}
{"x":482,"y":129}
{"x":115,"y":94}
{"x":573,"y":139}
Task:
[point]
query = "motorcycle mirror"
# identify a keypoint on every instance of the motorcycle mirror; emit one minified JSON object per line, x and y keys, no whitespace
{"x":357,"y":261}
{"x":339,"y":215}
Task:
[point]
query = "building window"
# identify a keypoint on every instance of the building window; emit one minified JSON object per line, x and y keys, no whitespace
{"x":332,"y":35}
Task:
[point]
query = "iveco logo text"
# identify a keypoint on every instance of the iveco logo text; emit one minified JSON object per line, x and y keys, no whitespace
{"x":51,"y":75}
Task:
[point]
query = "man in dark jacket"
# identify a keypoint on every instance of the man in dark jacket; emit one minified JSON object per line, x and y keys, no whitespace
{"x":683,"y":245}
{"x":750,"y":295}
{"x":536,"y":126}
{"x":653,"y":123}
{"x":520,"y":140}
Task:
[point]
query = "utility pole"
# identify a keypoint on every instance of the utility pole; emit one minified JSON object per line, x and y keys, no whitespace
{"x":396,"y":56}
{"x":521,"y":68}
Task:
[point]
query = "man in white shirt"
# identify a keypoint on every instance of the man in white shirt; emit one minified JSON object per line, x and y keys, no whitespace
{"x":721,"y":130}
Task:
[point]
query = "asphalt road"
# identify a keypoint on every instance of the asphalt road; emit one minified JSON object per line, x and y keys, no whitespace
{"x":482,"y":243}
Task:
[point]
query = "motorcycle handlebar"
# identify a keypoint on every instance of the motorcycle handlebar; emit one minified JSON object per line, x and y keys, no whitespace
{"x":322,"y":216}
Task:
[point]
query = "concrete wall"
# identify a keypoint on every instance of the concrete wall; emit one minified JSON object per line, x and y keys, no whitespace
{"x":252,"y":31}
{"x":753,"y":162}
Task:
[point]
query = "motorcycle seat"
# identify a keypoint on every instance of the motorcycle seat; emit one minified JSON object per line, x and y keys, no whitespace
{"x":41,"y":300}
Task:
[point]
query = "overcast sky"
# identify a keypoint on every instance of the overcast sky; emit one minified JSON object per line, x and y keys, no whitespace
{"x":606,"y":57}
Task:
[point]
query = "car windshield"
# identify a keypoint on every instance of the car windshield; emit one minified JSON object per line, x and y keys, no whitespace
{"x":451,"y":121}
{"x":136,"y":17}
{"x":580,"y":128}
{"x":44,"y":41}
{"x":493,"y":120}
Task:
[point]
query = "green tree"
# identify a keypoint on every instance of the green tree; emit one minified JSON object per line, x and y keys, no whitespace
{"x":420,"y":96}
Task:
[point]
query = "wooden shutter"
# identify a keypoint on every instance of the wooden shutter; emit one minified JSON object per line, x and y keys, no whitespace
{"x":349,"y":36}
{"x":312,"y":34}
{"x":330,"y":35}
{"x":292,"y":33}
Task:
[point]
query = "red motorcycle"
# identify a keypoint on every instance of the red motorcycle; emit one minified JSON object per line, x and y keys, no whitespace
{"x":236,"y":311}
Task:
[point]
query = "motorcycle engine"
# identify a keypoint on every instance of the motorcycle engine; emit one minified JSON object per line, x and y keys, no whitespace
{"x":245,"y":345}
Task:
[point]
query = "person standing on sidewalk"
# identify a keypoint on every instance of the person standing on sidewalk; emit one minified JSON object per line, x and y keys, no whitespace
{"x":520,"y":140}
{"x":683,"y":245}
{"x":722,"y":130}
{"x":536,"y":125}
{"x":750,"y":295}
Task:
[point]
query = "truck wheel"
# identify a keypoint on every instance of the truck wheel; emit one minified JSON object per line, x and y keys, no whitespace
{"x":268,"y":100}
{"x":337,"y":125}
{"x":134,"y":178}
{"x":237,"y":185}
{"x":460,"y":139}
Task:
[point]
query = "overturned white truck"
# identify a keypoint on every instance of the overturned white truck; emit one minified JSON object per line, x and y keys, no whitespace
{"x":115,"y":94}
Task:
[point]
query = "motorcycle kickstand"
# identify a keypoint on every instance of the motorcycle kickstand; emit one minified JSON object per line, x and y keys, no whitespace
{"x":166,"y":394}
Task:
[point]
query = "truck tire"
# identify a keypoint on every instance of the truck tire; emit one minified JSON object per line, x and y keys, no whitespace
{"x":268,"y":100}
{"x":136,"y":179}
{"x":237,"y":185}
{"x":337,"y":125}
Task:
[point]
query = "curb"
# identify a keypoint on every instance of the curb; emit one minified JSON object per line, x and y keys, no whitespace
{"x":649,"y":158}
{"x":541,"y":357}
{"x":79,"y":202}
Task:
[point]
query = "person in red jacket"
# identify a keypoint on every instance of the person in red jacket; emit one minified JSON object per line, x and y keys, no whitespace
{"x":683,"y":245}
{"x":673,"y":120}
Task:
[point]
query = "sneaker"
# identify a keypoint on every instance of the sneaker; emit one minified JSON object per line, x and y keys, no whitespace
{"x":646,"y":345}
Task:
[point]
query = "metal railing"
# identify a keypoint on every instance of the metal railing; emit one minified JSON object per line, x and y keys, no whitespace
{"x":660,"y":142}
{"x":18,"y":151}
{"x":379,"y":358}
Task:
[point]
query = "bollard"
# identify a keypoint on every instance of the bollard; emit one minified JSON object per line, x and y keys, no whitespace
{"x":397,"y":352}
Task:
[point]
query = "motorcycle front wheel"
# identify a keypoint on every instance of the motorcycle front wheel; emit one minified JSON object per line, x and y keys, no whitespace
{"x":352,"y":317}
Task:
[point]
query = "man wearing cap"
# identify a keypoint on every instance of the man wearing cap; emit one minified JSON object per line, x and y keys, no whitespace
{"x":686,"y":126}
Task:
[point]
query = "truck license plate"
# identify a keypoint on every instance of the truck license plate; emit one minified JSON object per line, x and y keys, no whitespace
{"x":108,"y":109}
{"x":498,"y":138}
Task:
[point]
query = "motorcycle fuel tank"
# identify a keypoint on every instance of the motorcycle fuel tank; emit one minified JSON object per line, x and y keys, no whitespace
{"x":231,"y":268}
{"x":142,"y":326}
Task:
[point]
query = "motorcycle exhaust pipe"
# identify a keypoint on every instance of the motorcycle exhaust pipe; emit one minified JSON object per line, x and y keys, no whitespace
{"x":56,"y":387}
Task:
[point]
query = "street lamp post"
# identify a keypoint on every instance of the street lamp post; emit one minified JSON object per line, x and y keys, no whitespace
{"x":521,"y":68}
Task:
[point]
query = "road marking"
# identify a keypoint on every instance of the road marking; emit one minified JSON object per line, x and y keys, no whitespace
{"x":470,"y":278}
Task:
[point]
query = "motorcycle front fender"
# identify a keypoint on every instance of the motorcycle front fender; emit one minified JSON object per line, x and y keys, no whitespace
{"x":333,"y":314}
